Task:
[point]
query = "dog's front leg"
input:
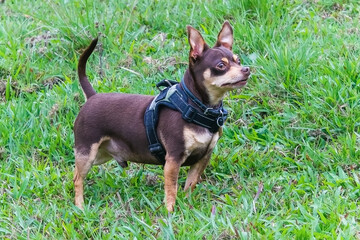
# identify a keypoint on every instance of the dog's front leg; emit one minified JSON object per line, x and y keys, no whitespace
{"x":171,"y":174}
{"x":195,"y":172}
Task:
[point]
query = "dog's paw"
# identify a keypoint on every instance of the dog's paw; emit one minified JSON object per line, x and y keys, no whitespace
{"x":170,"y":207}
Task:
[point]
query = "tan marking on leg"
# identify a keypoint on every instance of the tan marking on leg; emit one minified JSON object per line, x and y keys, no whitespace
{"x":78,"y":185}
{"x":83,"y":164}
{"x":171,"y":174}
{"x":82,"y":167}
{"x":96,"y":157}
{"x":195,"y":172}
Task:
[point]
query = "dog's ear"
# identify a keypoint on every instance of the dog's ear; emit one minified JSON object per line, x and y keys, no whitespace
{"x":197,"y":43}
{"x":225,"y":37}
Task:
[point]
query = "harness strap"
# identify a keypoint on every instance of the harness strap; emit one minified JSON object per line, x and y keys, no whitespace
{"x":155,"y":147}
{"x":210,"y":118}
{"x":152,"y":116}
{"x":174,"y":97}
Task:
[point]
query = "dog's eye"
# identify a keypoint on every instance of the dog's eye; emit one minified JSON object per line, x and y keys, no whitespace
{"x":221,"y":66}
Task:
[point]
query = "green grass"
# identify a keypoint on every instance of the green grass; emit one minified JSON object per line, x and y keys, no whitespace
{"x":293,"y":131}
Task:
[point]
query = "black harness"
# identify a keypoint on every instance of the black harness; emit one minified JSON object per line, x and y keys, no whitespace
{"x":175,"y":95}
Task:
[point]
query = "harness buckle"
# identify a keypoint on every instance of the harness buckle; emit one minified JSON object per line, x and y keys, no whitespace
{"x":207,"y":110}
{"x":189,"y":114}
{"x":157,"y":150}
{"x":220,"y":120}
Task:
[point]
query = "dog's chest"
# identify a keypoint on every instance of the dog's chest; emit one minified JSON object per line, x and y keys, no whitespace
{"x":199,"y":143}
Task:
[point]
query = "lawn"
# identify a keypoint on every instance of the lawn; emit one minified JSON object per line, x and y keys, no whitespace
{"x":286,"y":167}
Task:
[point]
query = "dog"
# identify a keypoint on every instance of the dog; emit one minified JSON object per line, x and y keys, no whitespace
{"x":111,"y":125}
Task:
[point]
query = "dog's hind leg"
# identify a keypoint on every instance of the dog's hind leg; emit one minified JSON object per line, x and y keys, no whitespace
{"x":83,"y":164}
{"x":95,"y":155}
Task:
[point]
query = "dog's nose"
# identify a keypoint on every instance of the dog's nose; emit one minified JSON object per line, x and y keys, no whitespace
{"x":245,"y":70}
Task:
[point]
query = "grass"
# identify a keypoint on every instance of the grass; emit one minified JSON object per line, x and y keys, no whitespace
{"x":293,"y":132}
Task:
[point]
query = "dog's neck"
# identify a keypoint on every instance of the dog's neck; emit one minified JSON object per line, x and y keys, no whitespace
{"x":199,"y":91}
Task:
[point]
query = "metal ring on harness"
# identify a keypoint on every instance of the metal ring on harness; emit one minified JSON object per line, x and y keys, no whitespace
{"x":220,"y":120}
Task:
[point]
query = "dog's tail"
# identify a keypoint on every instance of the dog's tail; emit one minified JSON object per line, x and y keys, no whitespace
{"x":84,"y":81}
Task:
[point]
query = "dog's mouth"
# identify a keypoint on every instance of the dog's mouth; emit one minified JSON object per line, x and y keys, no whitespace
{"x":239,"y":83}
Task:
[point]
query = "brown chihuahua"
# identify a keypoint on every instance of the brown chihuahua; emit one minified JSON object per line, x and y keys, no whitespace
{"x":111,"y":125}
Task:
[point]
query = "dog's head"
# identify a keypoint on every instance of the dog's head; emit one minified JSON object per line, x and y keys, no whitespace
{"x":217,"y":69}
